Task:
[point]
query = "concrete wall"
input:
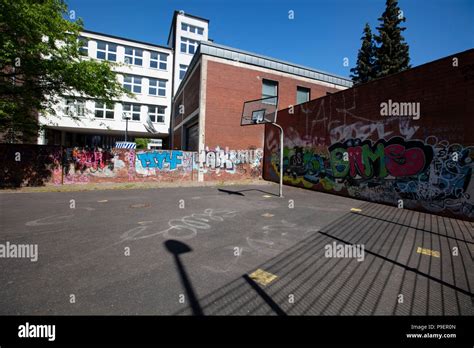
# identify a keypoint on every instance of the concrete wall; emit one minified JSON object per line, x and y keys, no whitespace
{"x":343,"y":143}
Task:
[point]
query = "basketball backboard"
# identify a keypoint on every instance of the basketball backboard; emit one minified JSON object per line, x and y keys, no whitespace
{"x":259,"y":111}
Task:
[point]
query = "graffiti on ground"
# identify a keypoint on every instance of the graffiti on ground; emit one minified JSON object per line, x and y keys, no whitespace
{"x":183,"y":228}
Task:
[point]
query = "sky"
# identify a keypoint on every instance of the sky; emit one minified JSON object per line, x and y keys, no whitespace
{"x":321,"y":35}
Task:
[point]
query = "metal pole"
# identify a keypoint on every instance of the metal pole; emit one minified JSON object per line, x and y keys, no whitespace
{"x":281,"y":158}
{"x":126,"y":128}
{"x":281,"y":162}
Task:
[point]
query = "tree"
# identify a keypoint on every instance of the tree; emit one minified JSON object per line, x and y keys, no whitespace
{"x":142,"y":143}
{"x":391,"y":53}
{"x":40,"y":61}
{"x":364,"y":70}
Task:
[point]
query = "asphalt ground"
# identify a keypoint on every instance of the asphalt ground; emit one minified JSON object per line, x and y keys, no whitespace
{"x":194,"y":250}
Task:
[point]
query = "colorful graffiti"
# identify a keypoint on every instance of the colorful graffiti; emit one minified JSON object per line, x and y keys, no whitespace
{"x":58,"y":166}
{"x":396,"y":157}
{"x":157,"y":163}
{"x":432,"y":173}
{"x":230,"y":161}
{"x":160,"y":159}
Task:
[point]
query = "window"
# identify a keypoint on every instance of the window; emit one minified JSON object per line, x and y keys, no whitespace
{"x":83,"y":46}
{"x":75,"y":107}
{"x":182,"y":71}
{"x":133,"y":110}
{"x":104,"y":110}
{"x":192,"y":28}
{"x":133,"y":56}
{"x":157,"y":87}
{"x":302,"y":94}
{"x":106,"y":51}
{"x":157,"y":113}
{"x":132,"y":83}
{"x":188,"y":45}
{"x":158,"y":60}
{"x":270,"y":89}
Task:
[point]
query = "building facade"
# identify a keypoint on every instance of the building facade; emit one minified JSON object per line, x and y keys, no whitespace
{"x":151,"y":72}
{"x":187,"y":95}
{"x":207,"y":107}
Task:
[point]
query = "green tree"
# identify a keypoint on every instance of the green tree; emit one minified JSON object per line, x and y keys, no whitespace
{"x":364,"y":70}
{"x":40,"y":61}
{"x":391,"y":53}
{"x":142,"y":143}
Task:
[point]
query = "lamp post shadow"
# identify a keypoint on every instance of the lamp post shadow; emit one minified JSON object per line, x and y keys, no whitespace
{"x":176,"y":248}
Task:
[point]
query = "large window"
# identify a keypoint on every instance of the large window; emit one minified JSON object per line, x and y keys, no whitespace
{"x":192,"y":28}
{"x":103,"y":110}
{"x":157,"y":113}
{"x":132,"y":110}
{"x":157,"y":87}
{"x":158,"y":60}
{"x":270,"y":89}
{"x":182,"y":71}
{"x":133,"y":56}
{"x":75,"y":107}
{"x":302,"y":94}
{"x":132,"y":83}
{"x":106,"y":51}
{"x":188,"y":45}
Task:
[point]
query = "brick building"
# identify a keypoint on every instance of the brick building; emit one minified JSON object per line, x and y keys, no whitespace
{"x":208,"y":104}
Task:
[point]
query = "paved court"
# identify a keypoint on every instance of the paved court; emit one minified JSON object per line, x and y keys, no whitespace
{"x":195,"y":251}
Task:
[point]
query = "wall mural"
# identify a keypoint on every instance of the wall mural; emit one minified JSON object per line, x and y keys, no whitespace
{"x":431,"y":173}
{"x":222,"y":160}
{"x":83,"y":165}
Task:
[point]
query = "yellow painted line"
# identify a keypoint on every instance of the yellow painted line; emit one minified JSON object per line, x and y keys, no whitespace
{"x":262,"y":277}
{"x":267,"y":215}
{"x":428,"y":252}
{"x":356,"y":209}
{"x":103,"y":201}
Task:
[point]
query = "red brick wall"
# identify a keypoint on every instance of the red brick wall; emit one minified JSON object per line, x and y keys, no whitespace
{"x":227,"y":88}
{"x":189,"y":99}
{"x":388,"y":159}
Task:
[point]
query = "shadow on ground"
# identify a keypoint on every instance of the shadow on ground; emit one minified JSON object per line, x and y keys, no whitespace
{"x":395,"y":277}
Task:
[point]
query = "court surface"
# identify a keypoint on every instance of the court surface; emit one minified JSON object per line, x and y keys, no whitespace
{"x":225,"y":250}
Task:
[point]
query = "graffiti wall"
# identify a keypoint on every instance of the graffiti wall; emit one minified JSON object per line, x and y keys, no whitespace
{"x":26,"y":165}
{"x":37,"y":165}
{"x":344,"y":144}
{"x":224,"y":163}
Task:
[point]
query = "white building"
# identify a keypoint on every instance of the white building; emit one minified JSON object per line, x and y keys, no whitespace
{"x":186,"y":32}
{"x":151,"y":72}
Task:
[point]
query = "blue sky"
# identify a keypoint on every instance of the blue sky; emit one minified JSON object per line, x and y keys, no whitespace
{"x":321,"y":35}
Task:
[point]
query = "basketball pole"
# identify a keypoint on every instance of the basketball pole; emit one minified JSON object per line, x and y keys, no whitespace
{"x":281,"y":158}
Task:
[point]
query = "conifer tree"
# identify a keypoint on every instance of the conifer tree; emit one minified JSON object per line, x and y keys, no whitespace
{"x":364,"y":69}
{"x":391,"y":52}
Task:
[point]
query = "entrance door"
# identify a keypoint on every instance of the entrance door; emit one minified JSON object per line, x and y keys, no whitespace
{"x":192,"y":137}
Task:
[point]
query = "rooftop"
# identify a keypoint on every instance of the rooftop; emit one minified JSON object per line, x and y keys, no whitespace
{"x":230,"y":53}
